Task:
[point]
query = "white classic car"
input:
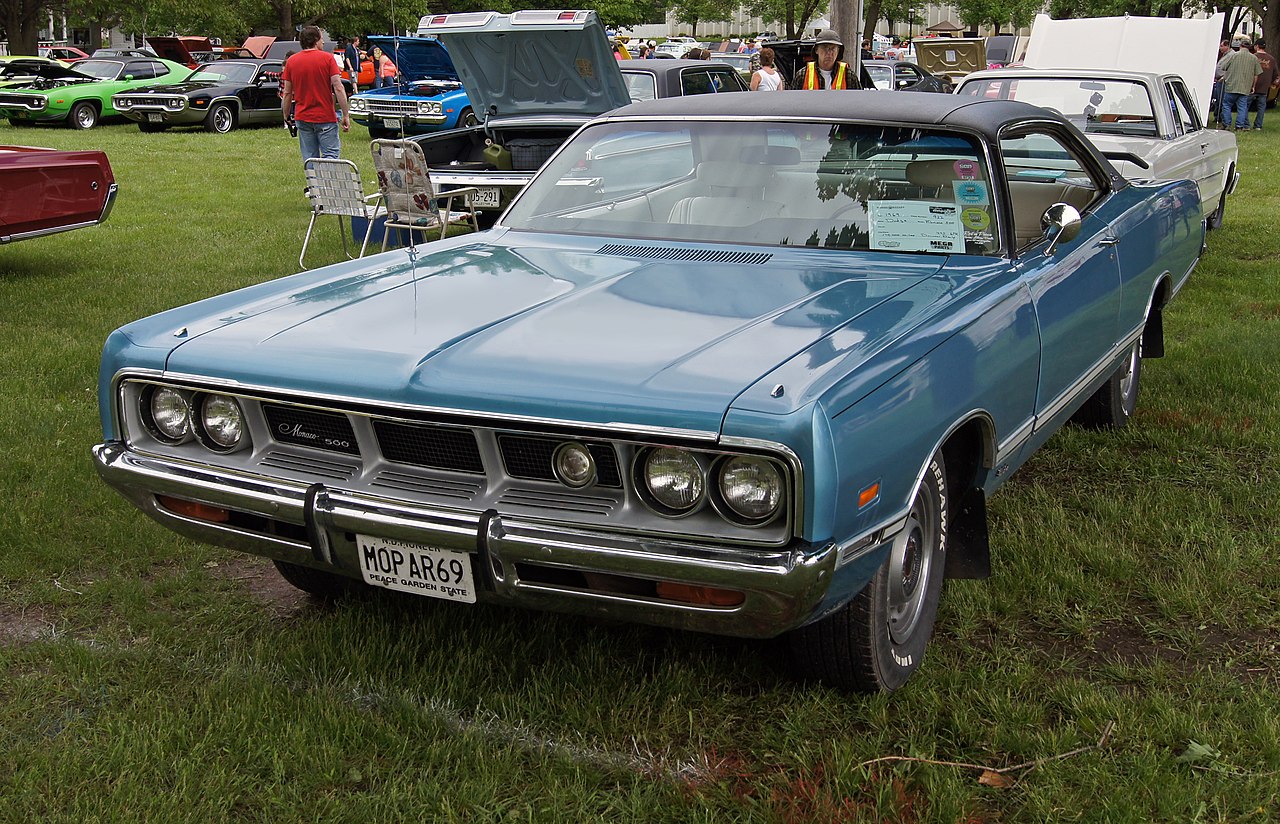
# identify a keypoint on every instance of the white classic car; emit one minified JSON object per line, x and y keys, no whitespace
{"x":1150,"y":123}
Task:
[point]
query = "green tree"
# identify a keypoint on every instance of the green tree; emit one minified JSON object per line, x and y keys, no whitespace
{"x":694,"y":12}
{"x":795,"y":15}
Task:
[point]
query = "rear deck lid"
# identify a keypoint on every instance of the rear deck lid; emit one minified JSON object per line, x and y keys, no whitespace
{"x":531,"y":62}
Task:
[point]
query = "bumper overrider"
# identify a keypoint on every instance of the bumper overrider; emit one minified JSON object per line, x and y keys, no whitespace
{"x":514,"y":559}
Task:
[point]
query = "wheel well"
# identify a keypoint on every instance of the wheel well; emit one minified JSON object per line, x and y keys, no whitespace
{"x":234,"y":103}
{"x":967,"y":454}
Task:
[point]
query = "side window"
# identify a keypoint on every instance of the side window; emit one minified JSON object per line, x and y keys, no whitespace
{"x":1185,"y":113}
{"x":1043,"y":170}
{"x":696,"y":81}
{"x":907,"y":76}
{"x":140,"y":69}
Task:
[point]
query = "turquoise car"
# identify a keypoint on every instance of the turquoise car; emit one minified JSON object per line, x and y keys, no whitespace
{"x":81,"y":96}
{"x":744,"y":364}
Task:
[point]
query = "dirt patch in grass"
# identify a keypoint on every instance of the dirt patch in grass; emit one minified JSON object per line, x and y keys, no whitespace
{"x":22,"y":625}
{"x":258,"y":577}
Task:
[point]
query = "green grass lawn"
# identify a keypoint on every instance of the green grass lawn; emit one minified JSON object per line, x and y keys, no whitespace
{"x":147,"y":678}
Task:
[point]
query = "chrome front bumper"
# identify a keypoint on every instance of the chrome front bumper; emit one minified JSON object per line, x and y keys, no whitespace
{"x":315,"y":526}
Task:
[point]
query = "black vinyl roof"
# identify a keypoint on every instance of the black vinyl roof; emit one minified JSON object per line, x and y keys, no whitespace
{"x":906,"y":108}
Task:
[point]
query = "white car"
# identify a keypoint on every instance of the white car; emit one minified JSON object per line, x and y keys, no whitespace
{"x":1149,"y":117}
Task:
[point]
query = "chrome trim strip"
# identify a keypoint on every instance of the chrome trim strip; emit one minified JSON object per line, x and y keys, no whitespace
{"x":1015,"y":440}
{"x":224,"y":383}
{"x":486,"y":179}
{"x":107,"y":206}
{"x":1100,"y":368}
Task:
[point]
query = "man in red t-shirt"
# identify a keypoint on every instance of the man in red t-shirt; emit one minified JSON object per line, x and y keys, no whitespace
{"x":312,"y":81}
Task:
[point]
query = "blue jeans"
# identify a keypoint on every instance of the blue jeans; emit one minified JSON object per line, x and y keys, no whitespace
{"x":318,"y":140}
{"x":1258,"y":102}
{"x":1238,"y":103}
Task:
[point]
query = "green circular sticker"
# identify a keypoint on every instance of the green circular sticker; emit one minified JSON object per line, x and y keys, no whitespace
{"x":976,"y":219}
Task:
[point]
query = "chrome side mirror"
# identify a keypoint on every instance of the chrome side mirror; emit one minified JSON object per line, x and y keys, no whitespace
{"x":1061,"y":223}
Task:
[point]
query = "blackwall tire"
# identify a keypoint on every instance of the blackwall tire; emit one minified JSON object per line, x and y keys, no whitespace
{"x":876,"y":641}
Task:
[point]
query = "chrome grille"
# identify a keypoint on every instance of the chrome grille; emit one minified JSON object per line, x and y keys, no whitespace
{"x":26,"y":101}
{"x":392,"y":108}
{"x":437,"y":447}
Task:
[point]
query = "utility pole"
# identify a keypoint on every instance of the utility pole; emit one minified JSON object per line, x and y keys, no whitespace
{"x":846,"y":19}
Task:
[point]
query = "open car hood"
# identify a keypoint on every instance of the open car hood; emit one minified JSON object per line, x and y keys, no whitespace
{"x":180,"y":49}
{"x":532,"y":62}
{"x":1160,"y":45}
{"x":50,"y":71}
{"x":257,"y":46}
{"x":417,"y":58}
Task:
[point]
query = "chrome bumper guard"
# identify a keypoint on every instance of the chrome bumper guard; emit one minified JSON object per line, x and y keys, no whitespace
{"x":782,"y":587}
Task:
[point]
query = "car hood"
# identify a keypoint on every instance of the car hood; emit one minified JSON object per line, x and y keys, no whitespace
{"x":417,"y":58}
{"x":1160,"y":45}
{"x":565,"y":66}
{"x":258,"y":45}
{"x":179,"y":49}
{"x":54,"y":71}
{"x":559,"y":332}
{"x":184,"y":87}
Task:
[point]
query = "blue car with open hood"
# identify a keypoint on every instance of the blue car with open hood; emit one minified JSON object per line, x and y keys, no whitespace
{"x":742,"y":364}
{"x":428,"y":96}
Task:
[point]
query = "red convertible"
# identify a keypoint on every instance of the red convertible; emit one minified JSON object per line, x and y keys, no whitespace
{"x":48,"y":191}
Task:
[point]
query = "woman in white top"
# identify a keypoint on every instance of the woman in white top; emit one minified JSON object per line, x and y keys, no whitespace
{"x":767,"y":78}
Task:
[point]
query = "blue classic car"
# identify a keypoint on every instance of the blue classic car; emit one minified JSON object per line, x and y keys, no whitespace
{"x":743,"y":364}
{"x":427,"y":97}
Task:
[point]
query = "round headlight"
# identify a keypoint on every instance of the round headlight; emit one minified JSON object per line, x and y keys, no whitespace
{"x":221,"y":422}
{"x":750,"y":487}
{"x":574,"y":465}
{"x":170,"y":414}
{"x":358,"y":104}
{"x":428,"y":108}
{"x":674,"y":479}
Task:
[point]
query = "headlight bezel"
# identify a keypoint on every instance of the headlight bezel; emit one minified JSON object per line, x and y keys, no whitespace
{"x":720,"y":501}
{"x":147,"y":412}
{"x":640,"y":482}
{"x":200,"y":427}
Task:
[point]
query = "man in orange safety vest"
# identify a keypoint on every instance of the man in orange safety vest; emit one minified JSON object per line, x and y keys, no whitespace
{"x":826,"y":71}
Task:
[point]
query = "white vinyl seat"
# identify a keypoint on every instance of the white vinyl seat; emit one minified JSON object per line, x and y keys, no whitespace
{"x":735,"y":195}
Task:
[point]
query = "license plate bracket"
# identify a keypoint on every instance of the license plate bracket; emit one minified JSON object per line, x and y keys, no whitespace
{"x":154,"y":117}
{"x":416,"y":568}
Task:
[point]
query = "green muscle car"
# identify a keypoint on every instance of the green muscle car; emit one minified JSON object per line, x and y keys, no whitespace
{"x":81,"y":96}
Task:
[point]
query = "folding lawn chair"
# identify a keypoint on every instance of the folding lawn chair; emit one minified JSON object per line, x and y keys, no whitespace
{"x":410,"y":199}
{"x":334,"y":189}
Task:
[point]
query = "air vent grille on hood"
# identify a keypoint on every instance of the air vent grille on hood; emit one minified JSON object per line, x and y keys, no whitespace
{"x":699,"y":255}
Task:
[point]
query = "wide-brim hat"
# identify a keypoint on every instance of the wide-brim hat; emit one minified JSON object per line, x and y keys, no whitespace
{"x":828,"y":36}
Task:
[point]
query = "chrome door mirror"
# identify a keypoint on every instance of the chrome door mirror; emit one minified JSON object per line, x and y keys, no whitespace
{"x":1061,"y":223}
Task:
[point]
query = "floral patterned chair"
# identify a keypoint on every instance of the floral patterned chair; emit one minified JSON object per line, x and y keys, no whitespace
{"x":410,"y":200}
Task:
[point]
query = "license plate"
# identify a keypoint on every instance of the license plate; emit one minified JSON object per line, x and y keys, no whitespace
{"x":487,"y":197}
{"x":422,"y":570}
{"x":391,"y":123}
{"x":154,"y":117}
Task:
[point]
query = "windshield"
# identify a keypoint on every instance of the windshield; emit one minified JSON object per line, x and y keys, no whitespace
{"x":101,"y":69}
{"x":225,"y":72}
{"x":833,"y":185}
{"x":1094,"y":106}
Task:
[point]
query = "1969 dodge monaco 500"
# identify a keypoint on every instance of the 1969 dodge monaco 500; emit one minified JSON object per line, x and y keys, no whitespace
{"x":741,"y":365}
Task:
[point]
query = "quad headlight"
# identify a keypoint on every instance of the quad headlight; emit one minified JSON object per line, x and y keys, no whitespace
{"x":750,"y":488}
{"x":167,"y":413}
{"x":219,"y":422}
{"x":428,"y":107}
{"x":674,"y":480}
{"x":359,"y":104}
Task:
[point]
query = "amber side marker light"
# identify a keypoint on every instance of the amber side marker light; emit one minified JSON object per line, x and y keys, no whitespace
{"x":191,"y":509}
{"x":868,"y":495}
{"x":708,"y":596}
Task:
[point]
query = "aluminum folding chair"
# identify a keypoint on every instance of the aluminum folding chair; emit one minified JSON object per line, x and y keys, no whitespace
{"x":334,"y":188}
{"x":410,"y":199}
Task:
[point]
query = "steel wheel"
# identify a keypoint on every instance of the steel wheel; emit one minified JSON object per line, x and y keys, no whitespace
{"x":1117,"y":399}
{"x":83,"y":116}
{"x":910,"y":568}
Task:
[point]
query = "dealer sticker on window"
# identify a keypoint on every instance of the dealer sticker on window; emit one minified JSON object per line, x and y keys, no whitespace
{"x":422,"y":570}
